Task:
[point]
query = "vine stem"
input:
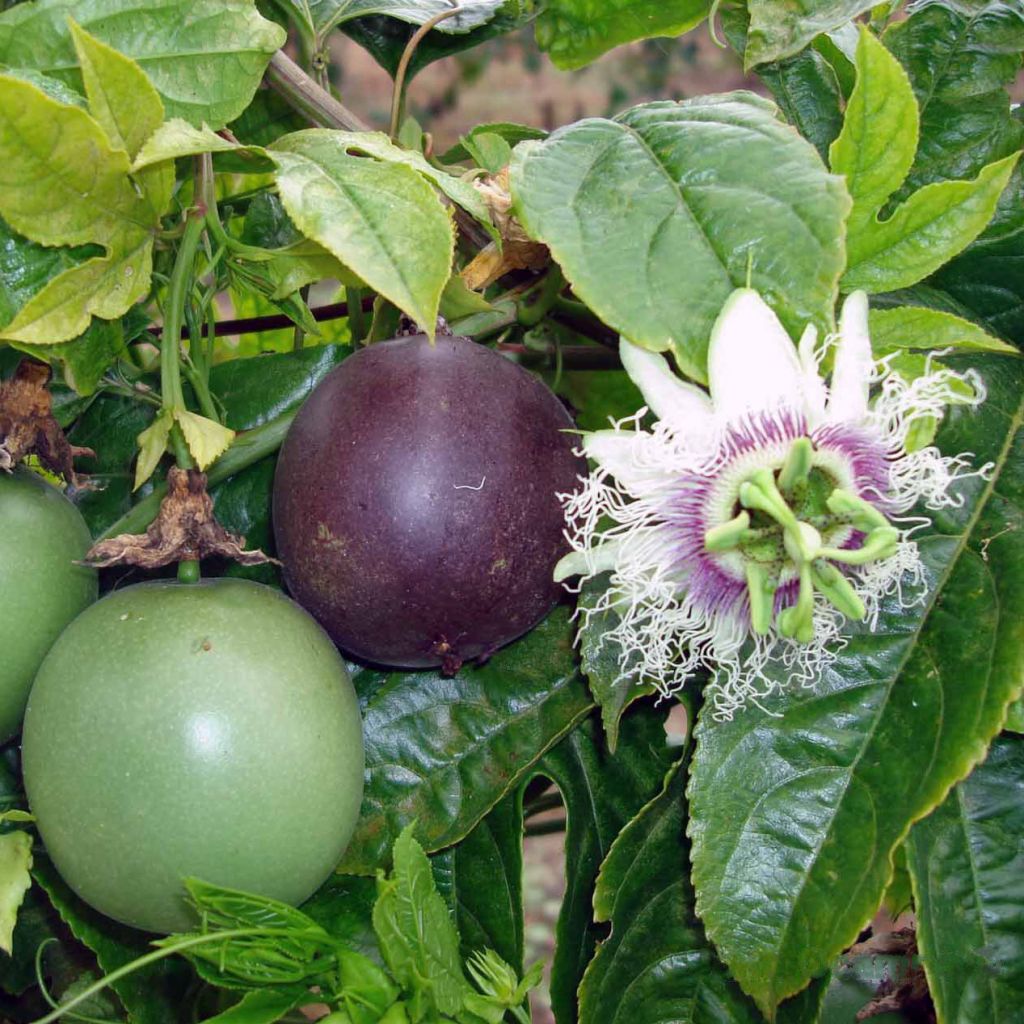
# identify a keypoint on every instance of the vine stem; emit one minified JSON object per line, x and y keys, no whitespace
{"x":146,"y":960}
{"x":401,"y":72}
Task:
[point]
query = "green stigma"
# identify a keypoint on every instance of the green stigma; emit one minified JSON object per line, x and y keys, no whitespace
{"x":781,"y":522}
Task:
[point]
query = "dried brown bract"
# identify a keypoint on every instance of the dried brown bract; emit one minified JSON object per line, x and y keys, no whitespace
{"x":184,"y":530}
{"x":517,"y":251}
{"x":27,"y":426}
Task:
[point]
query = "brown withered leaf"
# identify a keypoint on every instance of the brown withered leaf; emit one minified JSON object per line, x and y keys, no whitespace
{"x":27,"y":426}
{"x":517,"y":250}
{"x":184,"y":530}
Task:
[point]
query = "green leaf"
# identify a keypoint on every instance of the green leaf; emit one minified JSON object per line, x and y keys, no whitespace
{"x":798,"y":803}
{"x":366,"y":990}
{"x":601,"y":794}
{"x":657,"y":963}
{"x":575,"y":32}
{"x":858,"y":979}
{"x":177,"y":138}
{"x":657,"y":216}
{"x":380,"y":147}
{"x":443,"y":751}
{"x":15,"y":863}
{"x":205,"y":62}
{"x":612,"y":686}
{"x":260,"y":1006}
{"x":481,"y":879}
{"x":382,"y":220}
{"x":417,"y":937}
{"x":1015,"y":717}
{"x":876,"y":147}
{"x":960,"y":57}
{"x":321,"y":16}
{"x":53,"y":196}
{"x":151,"y":995}
{"x":967,"y":863}
{"x":508,"y":131}
{"x":779,"y":29}
{"x":875,"y":150}
{"x":926,"y":231}
{"x":85,"y":359}
{"x":806,"y":86}
{"x":916,"y":327}
{"x":386,"y":38}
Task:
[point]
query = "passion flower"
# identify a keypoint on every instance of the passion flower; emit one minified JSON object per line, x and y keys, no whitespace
{"x":750,"y":523}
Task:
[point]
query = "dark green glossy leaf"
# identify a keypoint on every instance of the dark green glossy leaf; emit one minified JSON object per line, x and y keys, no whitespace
{"x":967,"y":863}
{"x":152,"y":995}
{"x":575,"y":32}
{"x":386,"y":38}
{"x":960,"y":56}
{"x":656,"y":216}
{"x":657,"y":965}
{"x":481,"y":878}
{"x":601,"y":794}
{"x":206,"y":68}
{"x":613,"y":688}
{"x":804,"y":86}
{"x":343,"y":907}
{"x":779,"y":29}
{"x":443,"y":751}
{"x":798,"y":804}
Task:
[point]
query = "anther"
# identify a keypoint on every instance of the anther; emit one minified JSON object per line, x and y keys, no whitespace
{"x":880,"y":543}
{"x":727,"y":535}
{"x":838,"y":590}
{"x":797,"y":621}
{"x":797,"y":467}
{"x":862,"y":514}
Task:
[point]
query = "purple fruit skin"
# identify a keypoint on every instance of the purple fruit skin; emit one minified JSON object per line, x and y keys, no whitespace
{"x":415,"y":501}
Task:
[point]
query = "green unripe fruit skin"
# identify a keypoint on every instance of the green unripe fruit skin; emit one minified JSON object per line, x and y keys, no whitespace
{"x":206,"y":730}
{"x":42,"y":535}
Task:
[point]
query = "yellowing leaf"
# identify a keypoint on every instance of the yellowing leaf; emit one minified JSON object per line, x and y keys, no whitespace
{"x":61,"y":183}
{"x":177,"y":138}
{"x":122,"y":99}
{"x":205,"y":438}
{"x":15,"y":862}
{"x":152,"y":444}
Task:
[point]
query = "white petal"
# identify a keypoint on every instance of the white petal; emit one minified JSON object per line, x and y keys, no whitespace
{"x":752,"y":361}
{"x":589,"y":562}
{"x":683,"y":406}
{"x":851,"y":378}
{"x":814,"y":386}
{"x":631,"y":456}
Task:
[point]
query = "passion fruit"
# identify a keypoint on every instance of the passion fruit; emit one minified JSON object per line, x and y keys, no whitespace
{"x":205,"y":729}
{"x":42,"y":535}
{"x":416,"y":501}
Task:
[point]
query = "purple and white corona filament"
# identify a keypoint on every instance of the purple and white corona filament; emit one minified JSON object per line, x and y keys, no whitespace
{"x":751,"y":522}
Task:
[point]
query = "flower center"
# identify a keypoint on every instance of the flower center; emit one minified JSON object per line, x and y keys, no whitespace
{"x":778,"y":531}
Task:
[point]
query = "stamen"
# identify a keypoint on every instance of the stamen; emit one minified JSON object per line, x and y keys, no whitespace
{"x":797,"y":621}
{"x":728,"y":535}
{"x":862,"y":514}
{"x":797,"y":467}
{"x":881,"y":543}
{"x":761,"y":588}
{"x":838,"y":590}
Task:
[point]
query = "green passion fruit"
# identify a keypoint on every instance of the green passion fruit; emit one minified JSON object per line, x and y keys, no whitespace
{"x":416,"y":501}
{"x":206,"y":730}
{"x":41,"y":589}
